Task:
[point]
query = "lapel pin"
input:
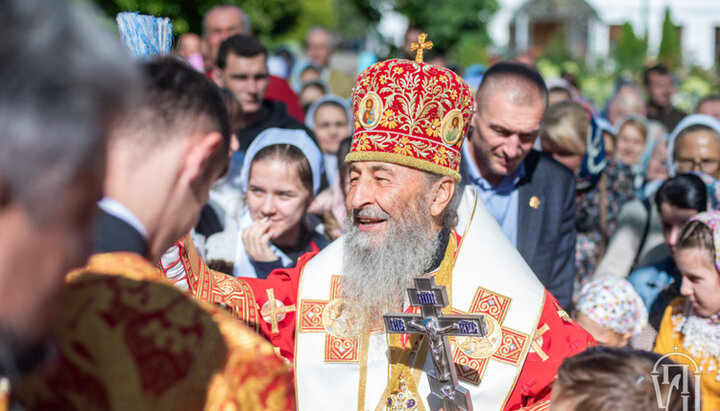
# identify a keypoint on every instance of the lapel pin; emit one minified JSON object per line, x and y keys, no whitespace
{"x":534,"y":202}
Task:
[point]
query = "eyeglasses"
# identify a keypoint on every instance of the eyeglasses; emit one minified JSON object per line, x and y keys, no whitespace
{"x":705,"y":165}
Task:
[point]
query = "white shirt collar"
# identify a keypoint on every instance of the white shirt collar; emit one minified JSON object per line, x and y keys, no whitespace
{"x":120,"y":211}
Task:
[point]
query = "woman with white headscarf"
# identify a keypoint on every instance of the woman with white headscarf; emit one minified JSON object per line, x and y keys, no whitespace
{"x":694,"y":145}
{"x":330,"y":119}
{"x":280,"y":176}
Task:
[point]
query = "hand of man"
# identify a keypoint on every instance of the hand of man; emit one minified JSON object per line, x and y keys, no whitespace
{"x":257,"y":239}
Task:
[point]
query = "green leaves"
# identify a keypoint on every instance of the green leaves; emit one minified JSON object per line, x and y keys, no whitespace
{"x":670,"y":52}
{"x":458,"y":28}
{"x":630,"y":51}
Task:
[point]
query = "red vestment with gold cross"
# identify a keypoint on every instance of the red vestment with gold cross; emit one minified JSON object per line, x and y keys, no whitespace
{"x":536,"y":355}
{"x":128,"y":339}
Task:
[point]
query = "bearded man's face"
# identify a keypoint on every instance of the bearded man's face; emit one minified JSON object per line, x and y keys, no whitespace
{"x":390,"y":240}
{"x":380,"y":193}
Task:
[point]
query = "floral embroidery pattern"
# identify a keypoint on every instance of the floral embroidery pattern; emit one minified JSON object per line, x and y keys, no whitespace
{"x":440,"y":157}
{"x":388,"y":120}
{"x":415,"y":97}
{"x":363,"y":144}
{"x":434,"y":129}
{"x":403,"y":146}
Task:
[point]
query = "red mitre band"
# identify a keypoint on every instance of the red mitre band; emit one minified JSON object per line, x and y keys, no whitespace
{"x":410,"y":113}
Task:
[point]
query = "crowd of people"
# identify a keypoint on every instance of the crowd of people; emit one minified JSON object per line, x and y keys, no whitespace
{"x":296,"y":203}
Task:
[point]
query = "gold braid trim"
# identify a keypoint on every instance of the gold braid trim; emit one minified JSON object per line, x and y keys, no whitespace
{"x":364,"y":348}
{"x":403,"y":160}
{"x":399,"y":354}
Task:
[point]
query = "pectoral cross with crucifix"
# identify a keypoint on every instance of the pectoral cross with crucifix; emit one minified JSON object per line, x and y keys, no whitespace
{"x":436,"y":327}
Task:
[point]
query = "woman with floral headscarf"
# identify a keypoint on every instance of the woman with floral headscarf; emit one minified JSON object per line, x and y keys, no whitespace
{"x":690,"y":329}
{"x":610,"y":309}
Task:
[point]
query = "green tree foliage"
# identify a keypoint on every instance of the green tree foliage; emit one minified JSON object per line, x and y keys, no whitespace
{"x":457,"y":28}
{"x":270,"y":19}
{"x":356,"y":17}
{"x":630,"y":51}
{"x":313,"y":13}
{"x":669,"y":53}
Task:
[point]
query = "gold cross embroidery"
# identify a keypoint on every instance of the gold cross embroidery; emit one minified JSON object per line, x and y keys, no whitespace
{"x":273,"y":310}
{"x":536,"y":346}
{"x":421,"y":46}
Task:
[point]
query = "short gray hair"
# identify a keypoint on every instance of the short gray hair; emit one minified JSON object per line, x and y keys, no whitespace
{"x":63,"y":79}
{"x":220,"y":7}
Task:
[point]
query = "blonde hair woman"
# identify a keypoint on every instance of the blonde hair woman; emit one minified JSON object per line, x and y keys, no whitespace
{"x":564,"y":136}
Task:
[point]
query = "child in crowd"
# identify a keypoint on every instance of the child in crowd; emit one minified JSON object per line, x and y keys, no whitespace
{"x":610,"y":310}
{"x":690,"y":327}
{"x":610,"y":379}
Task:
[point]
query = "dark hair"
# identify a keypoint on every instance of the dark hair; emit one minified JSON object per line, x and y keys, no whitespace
{"x":178,"y":101}
{"x":334,"y":104}
{"x":683,"y":191}
{"x":658,"y":69}
{"x":519,"y":72}
{"x":235,"y":111}
{"x":241,"y":45}
{"x":314,"y":83}
{"x":570,"y":78}
{"x":696,"y":234}
{"x":288,"y":154}
{"x":605,"y":379}
{"x":343,"y":150}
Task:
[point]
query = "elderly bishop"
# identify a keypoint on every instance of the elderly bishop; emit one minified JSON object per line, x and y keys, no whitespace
{"x":410,"y":219}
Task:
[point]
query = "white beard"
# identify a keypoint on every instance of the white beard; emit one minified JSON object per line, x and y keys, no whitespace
{"x":377,"y":275}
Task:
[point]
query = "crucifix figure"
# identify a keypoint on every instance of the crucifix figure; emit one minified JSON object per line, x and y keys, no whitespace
{"x":436,"y":327}
{"x":421,"y":46}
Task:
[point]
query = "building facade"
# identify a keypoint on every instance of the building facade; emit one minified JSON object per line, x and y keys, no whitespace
{"x":589,"y":28}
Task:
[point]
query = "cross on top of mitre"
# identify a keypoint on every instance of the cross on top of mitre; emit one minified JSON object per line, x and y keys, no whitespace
{"x":421,"y":46}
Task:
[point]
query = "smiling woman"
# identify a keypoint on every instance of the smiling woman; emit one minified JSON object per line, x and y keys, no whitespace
{"x":280,"y":176}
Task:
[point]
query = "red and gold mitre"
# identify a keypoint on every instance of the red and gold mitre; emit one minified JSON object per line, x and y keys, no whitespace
{"x":411,"y":113}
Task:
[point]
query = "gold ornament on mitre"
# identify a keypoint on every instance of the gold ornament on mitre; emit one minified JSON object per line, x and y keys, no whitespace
{"x":421,"y":46}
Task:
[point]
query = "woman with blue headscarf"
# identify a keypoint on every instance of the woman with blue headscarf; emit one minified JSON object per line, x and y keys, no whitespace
{"x":281,"y":175}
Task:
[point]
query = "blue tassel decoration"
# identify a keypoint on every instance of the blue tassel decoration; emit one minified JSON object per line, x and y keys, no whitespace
{"x":144,"y":36}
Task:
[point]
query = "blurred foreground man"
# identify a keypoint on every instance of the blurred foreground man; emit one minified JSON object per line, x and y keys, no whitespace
{"x":55,"y":110}
{"x":128,"y":339}
{"x":410,"y":220}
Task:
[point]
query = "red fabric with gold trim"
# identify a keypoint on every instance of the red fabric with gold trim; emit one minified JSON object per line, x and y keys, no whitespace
{"x":128,"y":339}
{"x":211,"y":286}
{"x":411,"y":113}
